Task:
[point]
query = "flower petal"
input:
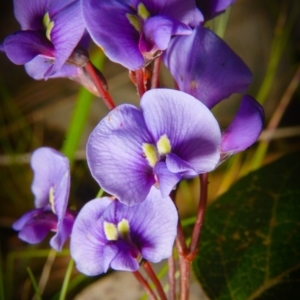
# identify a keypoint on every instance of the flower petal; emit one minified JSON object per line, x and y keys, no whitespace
{"x":66,"y":34}
{"x":154,"y":226}
{"x":22,"y":46}
{"x":189,"y":125}
{"x":88,"y":244}
{"x":183,"y":11}
{"x":245,"y":128}
{"x":214,"y":72}
{"x":51,"y":170}
{"x":166,"y":179}
{"x":37,"y":68}
{"x":176,"y":165}
{"x":64,"y":228}
{"x":30,"y":13}
{"x":212,"y":8}
{"x":124,"y":261}
{"x":157,"y":32}
{"x":115,"y":155}
{"x":110,"y":29}
{"x":35,"y":225}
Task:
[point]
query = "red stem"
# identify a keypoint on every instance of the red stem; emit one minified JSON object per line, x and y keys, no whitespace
{"x":194,"y":246}
{"x":102,"y":91}
{"x":155,"y":280}
{"x":171,"y":276}
{"x":155,"y":73}
{"x":140,"y":85}
{"x":145,"y":284}
{"x":184,"y":267}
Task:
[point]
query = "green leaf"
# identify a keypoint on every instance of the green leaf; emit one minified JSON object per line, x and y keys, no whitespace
{"x":250,"y":244}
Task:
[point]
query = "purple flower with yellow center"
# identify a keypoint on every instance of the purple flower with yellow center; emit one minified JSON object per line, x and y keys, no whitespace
{"x":212,"y":75}
{"x":107,"y":233}
{"x":51,"y":184}
{"x":51,"y":29}
{"x":172,"y":136}
{"x":133,"y":32}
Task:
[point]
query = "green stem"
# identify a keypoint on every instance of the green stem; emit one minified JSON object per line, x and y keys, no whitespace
{"x":64,"y":288}
{"x":34,"y":284}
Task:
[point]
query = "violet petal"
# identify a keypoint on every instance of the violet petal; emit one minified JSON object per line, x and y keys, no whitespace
{"x":110,"y":29}
{"x":245,"y":128}
{"x":166,"y":179}
{"x":157,"y":32}
{"x":214,"y":72}
{"x":212,"y":8}
{"x":22,"y":46}
{"x":115,"y":155}
{"x":68,"y":26}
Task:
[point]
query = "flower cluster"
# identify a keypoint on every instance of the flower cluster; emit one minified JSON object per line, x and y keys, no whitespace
{"x":138,"y":155}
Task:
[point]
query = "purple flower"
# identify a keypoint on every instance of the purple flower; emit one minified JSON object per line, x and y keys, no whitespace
{"x":51,"y":29}
{"x":210,"y":71}
{"x":51,"y":184}
{"x":173,"y":136}
{"x":133,"y":32}
{"x":213,"y":74}
{"x":107,"y":233}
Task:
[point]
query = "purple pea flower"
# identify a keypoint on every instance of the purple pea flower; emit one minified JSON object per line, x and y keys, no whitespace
{"x":172,"y":136}
{"x":213,"y":74}
{"x":51,"y":29}
{"x":133,"y":32}
{"x":107,"y":233}
{"x":51,"y":184}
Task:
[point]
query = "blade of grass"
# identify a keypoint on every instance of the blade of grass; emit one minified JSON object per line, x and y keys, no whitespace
{"x":34,"y":284}
{"x":64,"y":288}
{"x":2,"y":296}
{"x":282,"y":33}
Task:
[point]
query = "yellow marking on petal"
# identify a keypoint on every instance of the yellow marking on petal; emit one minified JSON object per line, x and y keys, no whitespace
{"x":143,"y":12}
{"x":51,"y":199}
{"x":150,"y":154}
{"x":48,"y":24}
{"x":163,"y":145}
{"x":124,"y":229}
{"x":111,"y":231}
{"x":134,"y":21}
{"x":194,"y":85}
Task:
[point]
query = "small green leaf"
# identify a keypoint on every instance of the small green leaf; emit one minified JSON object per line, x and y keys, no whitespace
{"x":250,"y":244}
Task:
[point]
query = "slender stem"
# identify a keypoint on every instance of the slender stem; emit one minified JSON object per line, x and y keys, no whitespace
{"x":200,"y":217}
{"x":155,"y":73}
{"x":102,"y":91}
{"x":140,"y":85}
{"x":171,"y":276}
{"x":155,"y":280}
{"x":66,"y":281}
{"x":46,"y":270}
{"x":180,"y":240}
{"x":184,"y":267}
{"x":145,"y":284}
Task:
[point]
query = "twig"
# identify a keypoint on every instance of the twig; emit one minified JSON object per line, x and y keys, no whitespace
{"x":102,"y":91}
{"x":155,"y":73}
{"x":145,"y":284}
{"x":155,"y":280}
{"x":194,"y":246}
{"x":171,"y":277}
